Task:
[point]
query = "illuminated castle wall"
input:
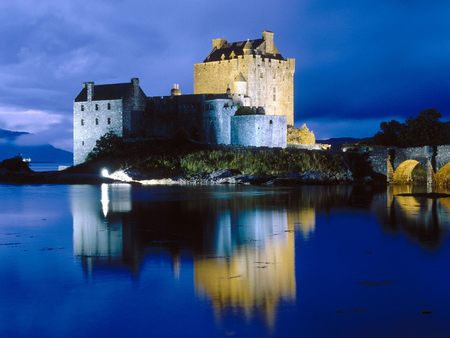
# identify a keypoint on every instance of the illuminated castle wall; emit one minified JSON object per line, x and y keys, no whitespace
{"x":254,"y":71}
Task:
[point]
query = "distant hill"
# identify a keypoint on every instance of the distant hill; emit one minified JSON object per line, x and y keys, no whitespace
{"x":11,"y":135}
{"x":338,"y":142}
{"x":37,"y":153}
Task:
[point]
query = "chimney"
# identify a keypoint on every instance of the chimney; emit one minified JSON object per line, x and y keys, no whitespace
{"x":218,"y":43}
{"x":135,"y":82}
{"x":268,"y":38}
{"x":89,"y":90}
{"x":175,"y":91}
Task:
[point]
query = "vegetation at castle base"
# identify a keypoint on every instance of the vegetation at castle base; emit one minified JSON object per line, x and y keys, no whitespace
{"x":183,"y":158}
{"x":425,"y":129}
{"x":300,"y":135}
{"x":107,"y":145}
{"x":260,"y":161}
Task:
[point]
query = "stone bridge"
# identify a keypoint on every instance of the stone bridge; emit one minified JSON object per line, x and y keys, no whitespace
{"x":398,"y":164}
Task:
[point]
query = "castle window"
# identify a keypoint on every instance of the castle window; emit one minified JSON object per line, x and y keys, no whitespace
{"x":96,"y":106}
{"x":270,"y":122}
{"x":96,"y":121}
{"x":109,"y":120}
{"x":109,"y":106}
{"x":82,"y":122}
{"x":82,"y":143}
{"x":82,"y":107}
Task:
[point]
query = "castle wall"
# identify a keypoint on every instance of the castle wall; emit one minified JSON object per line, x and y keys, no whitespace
{"x":166,"y":117}
{"x":193,"y":116}
{"x":90,"y":124}
{"x":217,"y":121}
{"x":270,"y":82}
{"x":259,"y":131}
{"x":133,"y":112}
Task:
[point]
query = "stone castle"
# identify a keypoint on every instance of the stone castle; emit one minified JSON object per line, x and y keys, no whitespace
{"x":243,"y":95}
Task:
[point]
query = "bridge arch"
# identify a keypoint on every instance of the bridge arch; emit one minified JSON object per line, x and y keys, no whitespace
{"x":410,"y":171}
{"x":443,"y":175}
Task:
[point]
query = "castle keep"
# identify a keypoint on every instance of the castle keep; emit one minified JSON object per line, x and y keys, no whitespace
{"x":254,"y":71}
{"x":250,"y":74}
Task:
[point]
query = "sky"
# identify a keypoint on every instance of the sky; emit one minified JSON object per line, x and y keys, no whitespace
{"x":359,"y":62}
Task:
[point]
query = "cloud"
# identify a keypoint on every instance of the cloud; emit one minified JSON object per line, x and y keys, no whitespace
{"x":29,"y":120}
{"x":45,"y":127}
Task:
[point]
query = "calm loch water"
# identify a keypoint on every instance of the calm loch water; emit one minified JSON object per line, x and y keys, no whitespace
{"x":123,"y":261}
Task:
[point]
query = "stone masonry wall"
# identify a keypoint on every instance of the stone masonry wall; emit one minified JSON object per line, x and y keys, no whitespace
{"x":86,"y":131}
{"x":259,"y":131}
{"x":270,"y":83}
{"x":133,"y":111}
{"x":217,"y":121}
{"x":442,"y":156}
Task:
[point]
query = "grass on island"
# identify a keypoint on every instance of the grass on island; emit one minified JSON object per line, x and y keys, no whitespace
{"x":162,"y":159}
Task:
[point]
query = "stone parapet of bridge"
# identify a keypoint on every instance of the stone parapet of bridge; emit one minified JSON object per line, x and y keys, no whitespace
{"x":397,"y":164}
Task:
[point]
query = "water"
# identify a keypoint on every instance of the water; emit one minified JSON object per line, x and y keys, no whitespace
{"x":47,"y":166}
{"x":116,"y":260}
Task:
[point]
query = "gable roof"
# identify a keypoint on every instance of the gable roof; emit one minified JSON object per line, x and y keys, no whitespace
{"x":237,"y":48}
{"x":107,"y":92}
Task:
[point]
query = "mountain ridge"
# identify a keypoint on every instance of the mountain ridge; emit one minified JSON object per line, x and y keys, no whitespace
{"x":38,"y":153}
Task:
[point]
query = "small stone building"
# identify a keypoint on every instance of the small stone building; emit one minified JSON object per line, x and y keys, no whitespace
{"x":99,"y":109}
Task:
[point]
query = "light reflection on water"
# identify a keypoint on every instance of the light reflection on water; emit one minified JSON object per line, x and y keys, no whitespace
{"x":266,"y":256}
{"x":244,"y":251}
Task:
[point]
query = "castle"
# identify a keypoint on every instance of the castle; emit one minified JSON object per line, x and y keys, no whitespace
{"x":243,"y":96}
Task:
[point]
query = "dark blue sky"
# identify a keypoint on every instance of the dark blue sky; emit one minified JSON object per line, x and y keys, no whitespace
{"x":358,"y":62}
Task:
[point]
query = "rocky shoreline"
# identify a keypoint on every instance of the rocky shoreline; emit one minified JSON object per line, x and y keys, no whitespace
{"x":231,"y":177}
{"x":234,"y":177}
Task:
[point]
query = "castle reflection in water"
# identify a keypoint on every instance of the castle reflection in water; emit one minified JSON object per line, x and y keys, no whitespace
{"x":242,"y":240}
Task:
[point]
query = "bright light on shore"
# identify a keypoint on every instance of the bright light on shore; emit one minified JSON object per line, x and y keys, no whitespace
{"x":104,"y":172}
{"x":122,"y":176}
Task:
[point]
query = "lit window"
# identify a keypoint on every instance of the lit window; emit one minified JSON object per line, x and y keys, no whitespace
{"x":82,"y":107}
{"x":96,"y":121}
{"x":109,"y":120}
{"x":109,"y":106}
{"x":82,"y":122}
{"x":96,"y":106}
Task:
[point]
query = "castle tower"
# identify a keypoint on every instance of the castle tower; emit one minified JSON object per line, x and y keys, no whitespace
{"x":269,"y":77}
